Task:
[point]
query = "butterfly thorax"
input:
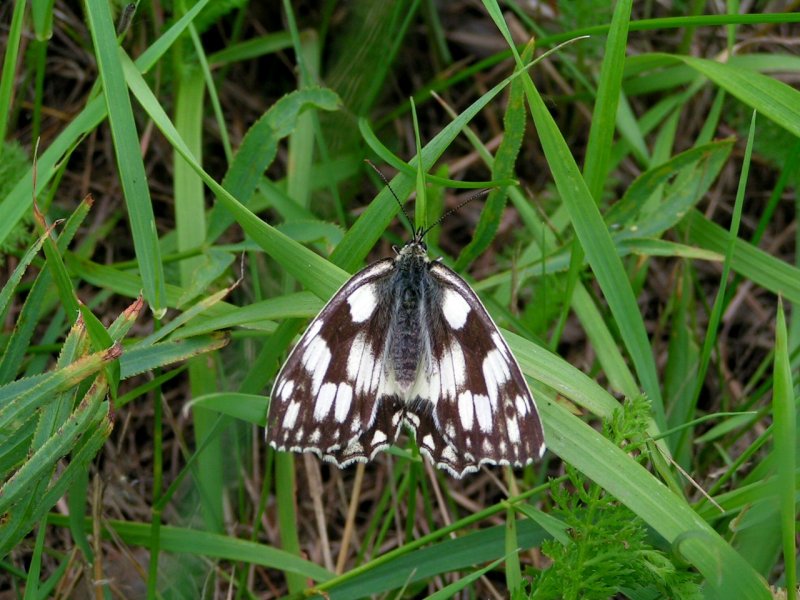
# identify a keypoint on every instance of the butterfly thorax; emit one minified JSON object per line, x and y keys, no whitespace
{"x":410,"y":292}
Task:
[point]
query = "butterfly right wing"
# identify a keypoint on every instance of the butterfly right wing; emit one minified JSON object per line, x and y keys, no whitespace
{"x":325,"y":399}
{"x":479,"y":409}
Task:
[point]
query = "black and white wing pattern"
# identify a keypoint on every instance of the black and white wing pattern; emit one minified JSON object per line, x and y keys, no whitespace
{"x":405,"y":342}
{"x":483,"y":411}
{"x":325,"y":398}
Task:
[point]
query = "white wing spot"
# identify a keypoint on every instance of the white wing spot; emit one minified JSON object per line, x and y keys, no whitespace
{"x":447,"y":374}
{"x":522,"y":405}
{"x":343,"y":399}
{"x":435,"y":386}
{"x":324,"y":401}
{"x":466,"y":409}
{"x":449,"y":454}
{"x":459,"y":364}
{"x":500,"y":344}
{"x":495,"y":373}
{"x":365,"y":371}
{"x":487,"y":446}
{"x":316,"y":359}
{"x":290,"y":418}
{"x":354,"y":448}
{"x":315,"y":436}
{"x":312,"y":332}
{"x":286,"y":389}
{"x":428,"y":441}
{"x":378,"y":438}
{"x":483,"y":411}
{"x":499,"y":364}
{"x":376,"y":377}
{"x":362,"y":302}
{"x":354,"y":357}
{"x":513,"y":430}
{"x":455,"y":309}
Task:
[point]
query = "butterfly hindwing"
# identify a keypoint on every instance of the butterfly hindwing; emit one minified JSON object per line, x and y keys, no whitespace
{"x":483,"y":412}
{"x":325,"y":399}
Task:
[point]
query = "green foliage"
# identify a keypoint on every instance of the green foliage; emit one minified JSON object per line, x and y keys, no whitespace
{"x":14,"y":160}
{"x":609,"y":551}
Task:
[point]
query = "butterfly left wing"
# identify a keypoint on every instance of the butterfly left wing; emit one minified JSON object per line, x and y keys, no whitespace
{"x":481,"y":409}
{"x":325,"y":397}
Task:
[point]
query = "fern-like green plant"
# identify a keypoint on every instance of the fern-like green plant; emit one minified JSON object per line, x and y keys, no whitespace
{"x":608,"y":552}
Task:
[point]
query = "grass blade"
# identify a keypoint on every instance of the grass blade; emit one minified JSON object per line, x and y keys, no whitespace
{"x":129,"y":157}
{"x":784,"y":412}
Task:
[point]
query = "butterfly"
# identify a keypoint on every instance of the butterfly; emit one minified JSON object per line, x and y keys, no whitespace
{"x":405,"y":343}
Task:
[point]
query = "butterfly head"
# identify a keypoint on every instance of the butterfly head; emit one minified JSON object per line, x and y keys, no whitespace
{"x":416,"y":246}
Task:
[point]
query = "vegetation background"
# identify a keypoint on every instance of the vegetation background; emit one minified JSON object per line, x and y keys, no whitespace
{"x":199,"y":190}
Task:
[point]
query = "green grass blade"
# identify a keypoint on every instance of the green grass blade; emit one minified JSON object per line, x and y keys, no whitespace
{"x":502,"y":167}
{"x":604,"y":115}
{"x":9,"y":72}
{"x":451,"y":590}
{"x":784,"y":412}
{"x":182,"y":540}
{"x":285,"y":499}
{"x":139,"y":359}
{"x":190,"y":223}
{"x":32,"y":582}
{"x":44,"y":458}
{"x":129,"y":158}
{"x":412,"y":563}
{"x":599,"y":248}
{"x":772,"y":98}
{"x":10,"y":286}
{"x":252,"y":48}
{"x":753,"y":263}
{"x":20,"y":398}
{"x":287,"y":306}
{"x":247,"y":407}
{"x":719,"y":301}
{"x":691,"y":172}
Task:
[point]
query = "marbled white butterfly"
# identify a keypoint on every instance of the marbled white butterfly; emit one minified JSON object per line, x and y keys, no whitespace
{"x":405,"y":342}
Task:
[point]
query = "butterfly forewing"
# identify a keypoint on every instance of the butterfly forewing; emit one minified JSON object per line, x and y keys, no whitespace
{"x":325,"y":398}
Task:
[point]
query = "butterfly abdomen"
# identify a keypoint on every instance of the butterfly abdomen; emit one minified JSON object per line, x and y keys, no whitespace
{"x":404,"y":349}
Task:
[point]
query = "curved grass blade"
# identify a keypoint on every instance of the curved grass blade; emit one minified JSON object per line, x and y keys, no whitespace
{"x":784,"y":410}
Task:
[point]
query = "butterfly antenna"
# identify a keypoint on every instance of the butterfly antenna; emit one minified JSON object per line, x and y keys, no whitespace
{"x":386,"y":181}
{"x":456,"y":209}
